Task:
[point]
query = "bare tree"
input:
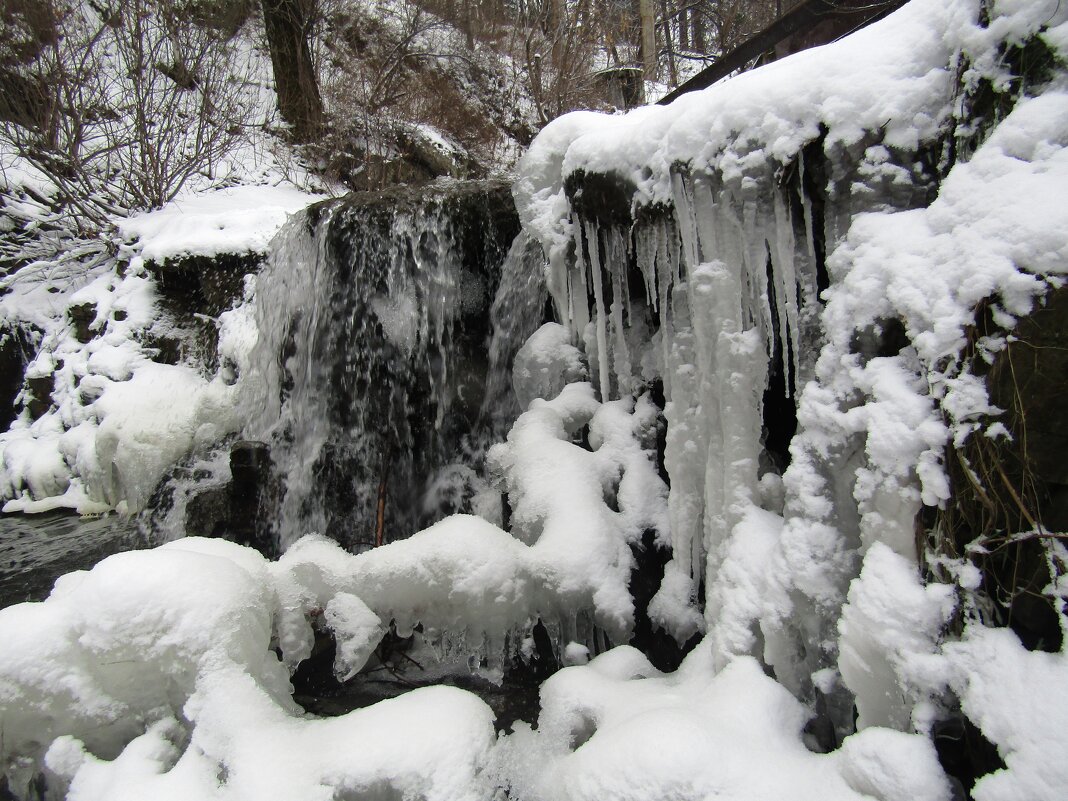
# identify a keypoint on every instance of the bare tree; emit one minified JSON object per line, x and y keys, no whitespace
{"x":124,"y":104}
{"x":288,"y":25}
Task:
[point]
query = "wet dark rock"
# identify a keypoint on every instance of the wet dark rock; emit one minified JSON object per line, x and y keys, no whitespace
{"x":162,"y":348}
{"x":206,"y":285}
{"x":17,"y":345}
{"x":207,"y":514}
{"x":250,"y":466}
{"x":390,"y":673}
{"x":601,"y":197}
{"x":1015,"y":491}
{"x":885,"y":338}
{"x":194,"y":291}
{"x":650,"y":559}
{"x":964,"y":753}
{"x":40,"y":394}
{"x":82,"y":316}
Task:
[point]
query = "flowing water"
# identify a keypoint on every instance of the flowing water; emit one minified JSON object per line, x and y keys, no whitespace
{"x":388,"y":324}
{"x":36,"y":549}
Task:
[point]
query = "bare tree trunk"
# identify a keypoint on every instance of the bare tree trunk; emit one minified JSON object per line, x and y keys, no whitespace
{"x":557,"y":18}
{"x":673,"y":77}
{"x":645,"y":9}
{"x":286,"y":23}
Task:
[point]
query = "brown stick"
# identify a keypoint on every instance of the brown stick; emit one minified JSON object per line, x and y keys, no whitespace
{"x":380,"y":517}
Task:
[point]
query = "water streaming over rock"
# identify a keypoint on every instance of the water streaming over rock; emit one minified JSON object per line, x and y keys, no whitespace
{"x":388,"y":322}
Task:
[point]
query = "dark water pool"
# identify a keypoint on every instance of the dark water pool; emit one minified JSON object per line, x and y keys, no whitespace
{"x":36,"y":549}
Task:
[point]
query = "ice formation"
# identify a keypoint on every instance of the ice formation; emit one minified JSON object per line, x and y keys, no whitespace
{"x":821,"y":232}
{"x":738,"y":207}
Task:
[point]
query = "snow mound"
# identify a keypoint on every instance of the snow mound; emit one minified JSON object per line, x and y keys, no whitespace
{"x":616,"y":728}
{"x":124,"y":684}
{"x":135,"y":687}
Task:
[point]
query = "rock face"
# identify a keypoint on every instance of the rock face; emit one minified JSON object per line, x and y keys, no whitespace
{"x":194,"y":291}
{"x":1011,"y":489}
{"x":16,"y":351}
{"x":250,"y":467}
{"x":237,"y":510}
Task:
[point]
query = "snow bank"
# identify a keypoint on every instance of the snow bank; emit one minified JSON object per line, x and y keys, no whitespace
{"x":238,"y":219}
{"x":128,"y":685}
{"x":1016,"y":697}
{"x":124,"y":684}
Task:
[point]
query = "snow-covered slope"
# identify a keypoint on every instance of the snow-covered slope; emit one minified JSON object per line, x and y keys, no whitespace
{"x":113,"y":419}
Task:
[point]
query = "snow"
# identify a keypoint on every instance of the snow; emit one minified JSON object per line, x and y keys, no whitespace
{"x":125,"y":649}
{"x":238,"y":219}
{"x":616,"y":728}
{"x":897,"y":77}
{"x":133,"y":686}
{"x":1016,"y":697}
{"x":118,"y":420}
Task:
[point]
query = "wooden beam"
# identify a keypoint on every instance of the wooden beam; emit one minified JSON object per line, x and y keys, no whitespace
{"x":801,"y":18}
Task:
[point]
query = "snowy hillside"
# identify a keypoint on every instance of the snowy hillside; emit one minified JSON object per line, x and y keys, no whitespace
{"x":782,"y":502}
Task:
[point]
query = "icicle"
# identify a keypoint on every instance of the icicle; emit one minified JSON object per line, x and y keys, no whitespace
{"x":784,"y":269}
{"x":646,"y":244}
{"x":601,"y":320}
{"x":578,"y":290}
{"x":810,"y":239}
{"x":685,"y":218}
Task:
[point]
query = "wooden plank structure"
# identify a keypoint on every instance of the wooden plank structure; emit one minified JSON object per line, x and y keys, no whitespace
{"x":808,"y":24}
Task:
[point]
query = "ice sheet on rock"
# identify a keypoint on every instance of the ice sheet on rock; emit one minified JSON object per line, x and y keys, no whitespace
{"x":545,"y":363}
{"x":517,"y":310}
{"x":890,"y":624}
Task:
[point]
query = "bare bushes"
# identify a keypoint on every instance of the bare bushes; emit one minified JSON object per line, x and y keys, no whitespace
{"x":1010,"y":481}
{"x":406,"y":99}
{"x":119,"y":104}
